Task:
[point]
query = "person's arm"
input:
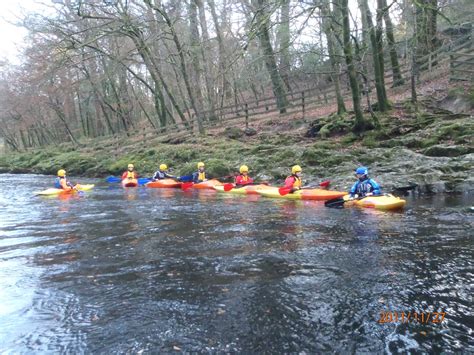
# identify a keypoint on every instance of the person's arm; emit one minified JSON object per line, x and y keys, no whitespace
{"x":238,"y":180}
{"x":354,"y":189}
{"x":195,"y":177}
{"x":170,"y":176}
{"x":124,"y":175}
{"x":249,"y":181}
{"x":155,"y":175}
{"x":289,"y":182}
{"x":65,"y":185}
{"x":375,"y":187}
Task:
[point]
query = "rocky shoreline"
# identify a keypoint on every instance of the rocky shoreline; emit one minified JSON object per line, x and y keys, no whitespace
{"x":422,"y":150}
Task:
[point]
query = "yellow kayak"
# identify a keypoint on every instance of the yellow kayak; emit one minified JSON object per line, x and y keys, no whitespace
{"x":53,"y":191}
{"x":386,"y":202}
{"x":304,"y":194}
{"x":245,"y":190}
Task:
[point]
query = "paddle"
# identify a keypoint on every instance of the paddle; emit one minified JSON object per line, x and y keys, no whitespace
{"x":286,"y":190}
{"x":185,"y":178}
{"x":111,"y":179}
{"x":186,"y":185}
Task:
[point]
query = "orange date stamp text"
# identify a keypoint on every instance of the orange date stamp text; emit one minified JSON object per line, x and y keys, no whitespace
{"x":411,"y":317}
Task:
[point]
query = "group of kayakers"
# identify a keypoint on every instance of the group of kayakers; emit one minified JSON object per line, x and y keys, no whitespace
{"x":364,"y":186}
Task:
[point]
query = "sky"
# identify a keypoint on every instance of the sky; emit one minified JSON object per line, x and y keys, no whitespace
{"x":11,"y":36}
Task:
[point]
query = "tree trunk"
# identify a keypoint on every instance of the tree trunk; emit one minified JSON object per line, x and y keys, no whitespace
{"x":396,"y":73}
{"x":359,"y":124}
{"x":327,"y":24}
{"x":263,"y":34}
{"x":206,"y":55}
{"x":377,"y":57}
{"x":226,"y":86}
{"x":284,"y":32}
{"x":179,"y":48}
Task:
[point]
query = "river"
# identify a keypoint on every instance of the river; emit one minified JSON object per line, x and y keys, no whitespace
{"x":162,"y":270}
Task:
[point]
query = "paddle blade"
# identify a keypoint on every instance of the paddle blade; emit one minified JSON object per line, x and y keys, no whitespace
{"x":284,"y":191}
{"x":325,"y":184}
{"x":186,"y":185}
{"x":335,"y":203}
{"x":111,"y":179}
{"x":228,"y":187}
{"x":143,"y":181}
{"x":185,"y":178}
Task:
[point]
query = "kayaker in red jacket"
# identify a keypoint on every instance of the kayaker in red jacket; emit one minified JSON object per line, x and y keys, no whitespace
{"x":130,"y":173}
{"x":293,"y":181}
{"x":243,"y":178}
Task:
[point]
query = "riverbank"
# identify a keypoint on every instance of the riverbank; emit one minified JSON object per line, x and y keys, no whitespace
{"x":429,"y":146}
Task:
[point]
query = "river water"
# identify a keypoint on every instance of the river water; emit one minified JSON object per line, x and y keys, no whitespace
{"x":162,"y":270}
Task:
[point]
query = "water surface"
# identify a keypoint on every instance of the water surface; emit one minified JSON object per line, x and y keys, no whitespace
{"x":160,"y":270}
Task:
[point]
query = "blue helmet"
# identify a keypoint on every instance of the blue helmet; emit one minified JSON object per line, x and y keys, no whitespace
{"x":362,"y":170}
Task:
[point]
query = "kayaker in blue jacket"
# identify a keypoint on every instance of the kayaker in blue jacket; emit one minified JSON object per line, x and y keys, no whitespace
{"x":162,"y":173}
{"x":364,"y":186}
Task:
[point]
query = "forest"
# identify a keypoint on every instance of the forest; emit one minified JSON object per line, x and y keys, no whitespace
{"x":95,"y":68}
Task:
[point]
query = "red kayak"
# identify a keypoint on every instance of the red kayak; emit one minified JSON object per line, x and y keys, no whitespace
{"x":129,"y":182}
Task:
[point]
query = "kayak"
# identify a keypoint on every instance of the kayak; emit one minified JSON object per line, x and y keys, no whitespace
{"x":54,"y":191}
{"x":245,"y":190}
{"x":304,"y":194}
{"x":129,"y":182}
{"x":209,"y":184}
{"x":386,"y":202}
{"x":164,"y":183}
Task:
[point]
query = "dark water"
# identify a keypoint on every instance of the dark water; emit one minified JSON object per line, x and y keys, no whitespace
{"x":157,"y":270}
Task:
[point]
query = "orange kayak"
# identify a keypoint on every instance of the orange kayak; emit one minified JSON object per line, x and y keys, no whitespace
{"x":209,"y":184}
{"x":129,"y":182}
{"x":164,"y":183}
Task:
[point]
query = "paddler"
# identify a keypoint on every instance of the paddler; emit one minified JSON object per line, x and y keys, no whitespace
{"x":130,"y":173}
{"x":200,"y":174}
{"x":61,"y":182}
{"x":243,"y":178}
{"x":364,"y":186}
{"x":162,"y":173}
{"x":293,"y":181}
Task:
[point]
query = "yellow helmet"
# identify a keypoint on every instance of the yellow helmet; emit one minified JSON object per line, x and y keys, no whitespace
{"x":61,"y":173}
{"x":163,"y":167}
{"x":200,"y":165}
{"x":296,"y":169}
{"x":244,"y":169}
{"x":130,"y":166}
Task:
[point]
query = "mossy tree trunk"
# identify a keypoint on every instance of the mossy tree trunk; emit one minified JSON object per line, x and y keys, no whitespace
{"x":262,"y":30}
{"x":396,"y":73}
{"x":377,"y":53}
{"x":328,"y":24}
{"x":359,"y":124}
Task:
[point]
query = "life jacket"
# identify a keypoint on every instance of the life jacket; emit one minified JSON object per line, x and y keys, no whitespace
{"x":130,"y":175}
{"x":244,"y":178}
{"x":297,"y":181}
{"x":201,"y":175}
{"x":363,"y":187}
{"x":57,"y":183}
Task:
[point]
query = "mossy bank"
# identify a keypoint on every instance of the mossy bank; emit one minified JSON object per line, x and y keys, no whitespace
{"x":430,"y":148}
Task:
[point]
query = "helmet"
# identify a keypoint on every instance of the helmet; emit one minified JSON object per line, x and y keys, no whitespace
{"x":296,"y":169}
{"x":200,"y":165}
{"x":130,"y":166}
{"x":163,"y":167}
{"x":61,"y":172}
{"x":244,"y":169}
{"x":362,"y":170}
